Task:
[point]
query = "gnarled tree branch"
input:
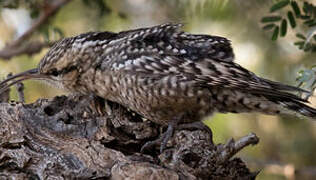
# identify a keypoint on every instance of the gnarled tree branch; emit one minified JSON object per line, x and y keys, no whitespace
{"x":83,"y":137}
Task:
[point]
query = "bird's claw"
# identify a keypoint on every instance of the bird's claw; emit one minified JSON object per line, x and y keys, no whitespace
{"x":197,"y":125}
{"x":163,"y":140}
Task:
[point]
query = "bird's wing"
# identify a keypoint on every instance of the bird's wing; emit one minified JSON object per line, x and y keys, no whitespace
{"x":203,"y":60}
{"x":167,"y":39}
{"x":233,"y":76}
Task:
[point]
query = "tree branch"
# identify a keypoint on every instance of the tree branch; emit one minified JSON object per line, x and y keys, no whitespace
{"x":232,"y":147}
{"x":28,"y":48}
{"x":14,"y":48}
{"x":80,"y":137}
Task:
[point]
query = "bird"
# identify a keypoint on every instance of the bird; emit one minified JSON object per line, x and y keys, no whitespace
{"x":164,"y":74}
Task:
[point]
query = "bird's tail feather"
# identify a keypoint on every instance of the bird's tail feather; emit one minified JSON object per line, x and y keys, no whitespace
{"x":289,"y":102}
{"x":300,"y":108}
{"x":277,"y":102}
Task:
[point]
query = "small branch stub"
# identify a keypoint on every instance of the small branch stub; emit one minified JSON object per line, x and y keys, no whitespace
{"x":232,"y":147}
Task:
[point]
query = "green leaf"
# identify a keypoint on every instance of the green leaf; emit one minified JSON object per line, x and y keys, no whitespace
{"x":300,"y":44}
{"x":307,"y":47}
{"x":308,"y":22}
{"x":122,"y":15}
{"x":99,"y":5}
{"x":301,"y":36}
{"x":45,"y":32}
{"x":86,"y":2}
{"x":279,"y":5}
{"x":34,"y":13}
{"x":103,"y":7}
{"x":291,"y":19}
{"x":59,"y":32}
{"x":275,"y":33}
{"x":268,"y":27}
{"x":12,"y":4}
{"x":312,"y":24}
{"x":271,"y":19}
{"x":296,"y":9}
{"x":305,"y":17}
{"x":283,"y":28}
{"x":308,"y":8}
{"x":305,"y":8}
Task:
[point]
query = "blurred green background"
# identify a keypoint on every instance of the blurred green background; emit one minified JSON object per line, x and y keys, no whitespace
{"x":287,"y":143}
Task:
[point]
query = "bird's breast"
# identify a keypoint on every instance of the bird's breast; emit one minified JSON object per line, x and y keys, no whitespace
{"x":159,"y":99}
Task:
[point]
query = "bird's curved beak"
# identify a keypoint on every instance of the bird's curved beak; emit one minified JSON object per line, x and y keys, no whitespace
{"x":12,"y":80}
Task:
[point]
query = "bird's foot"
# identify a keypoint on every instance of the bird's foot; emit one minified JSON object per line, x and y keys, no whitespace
{"x":161,"y":140}
{"x":197,"y":126}
{"x":165,"y":137}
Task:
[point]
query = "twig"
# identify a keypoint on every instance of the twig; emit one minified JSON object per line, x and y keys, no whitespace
{"x":5,"y":96}
{"x":50,"y":8}
{"x":20,"y":88}
{"x":28,"y":48}
{"x":232,"y":147}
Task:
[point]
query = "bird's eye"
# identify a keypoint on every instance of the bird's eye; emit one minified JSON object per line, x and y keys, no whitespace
{"x":54,"y":72}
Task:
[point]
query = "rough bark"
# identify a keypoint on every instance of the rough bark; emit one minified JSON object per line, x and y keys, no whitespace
{"x":80,"y":137}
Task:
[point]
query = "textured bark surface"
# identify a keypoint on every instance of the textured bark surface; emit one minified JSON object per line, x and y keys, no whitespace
{"x":81,"y":137}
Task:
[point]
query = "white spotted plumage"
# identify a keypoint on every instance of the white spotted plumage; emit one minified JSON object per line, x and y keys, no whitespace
{"x":170,"y":72}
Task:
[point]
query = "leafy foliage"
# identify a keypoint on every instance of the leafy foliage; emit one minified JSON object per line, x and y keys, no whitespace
{"x":101,"y":5}
{"x":12,"y":4}
{"x":51,"y":32}
{"x":32,"y":5}
{"x":291,"y":15}
{"x":306,"y":17}
{"x":307,"y":79}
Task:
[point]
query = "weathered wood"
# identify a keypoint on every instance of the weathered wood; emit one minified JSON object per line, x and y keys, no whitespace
{"x":80,"y":137}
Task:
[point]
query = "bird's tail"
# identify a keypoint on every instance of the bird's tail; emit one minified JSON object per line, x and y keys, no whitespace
{"x":292,"y":106}
{"x":277,"y":102}
{"x":288,"y":102}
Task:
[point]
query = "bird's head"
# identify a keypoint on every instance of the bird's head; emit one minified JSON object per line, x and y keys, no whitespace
{"x":65,"y":61}
{"x":58,"y":67}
